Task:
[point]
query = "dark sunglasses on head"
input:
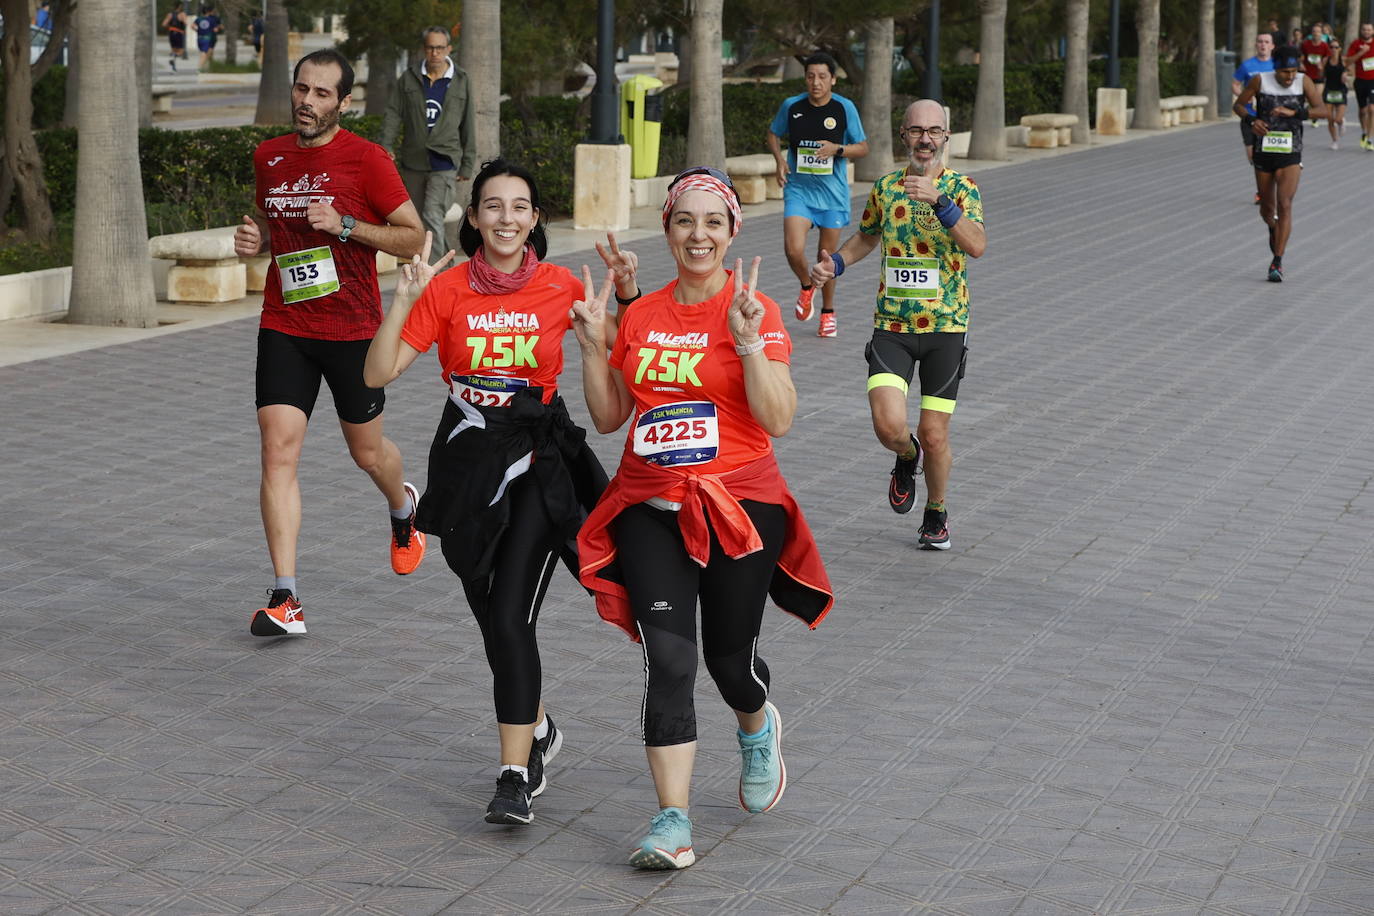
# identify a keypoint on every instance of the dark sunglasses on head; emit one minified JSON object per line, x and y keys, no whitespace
{"x":706,"y":170}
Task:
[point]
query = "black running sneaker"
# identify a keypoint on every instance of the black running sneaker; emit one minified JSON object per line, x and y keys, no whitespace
{"x":541,"y":752}
{"x":511,"y":804}
{"x":935,"y":530}
{"x":1275,"y":272}
{"x":901,"y":491}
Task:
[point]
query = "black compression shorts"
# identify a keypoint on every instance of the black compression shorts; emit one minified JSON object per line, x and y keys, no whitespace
{"x":290,"y":368}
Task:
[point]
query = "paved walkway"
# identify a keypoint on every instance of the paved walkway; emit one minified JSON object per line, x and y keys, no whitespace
{"x":1141,"y":682}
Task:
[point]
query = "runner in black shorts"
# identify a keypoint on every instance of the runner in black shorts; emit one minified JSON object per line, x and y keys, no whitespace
{"x":1283,"y":100}
{"x":928,"y":222}
{"x":326,"y":201}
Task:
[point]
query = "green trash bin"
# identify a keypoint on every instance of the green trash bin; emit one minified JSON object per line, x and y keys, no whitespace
{"x":641,"y":119}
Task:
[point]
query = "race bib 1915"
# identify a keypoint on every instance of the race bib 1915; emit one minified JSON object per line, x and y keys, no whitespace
{"x":684,"y":432}
{"x":911,"y":278}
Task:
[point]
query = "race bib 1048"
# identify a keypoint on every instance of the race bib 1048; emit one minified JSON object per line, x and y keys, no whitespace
{"x":808,"y":163}
{"x":911,"y":278}
{"x":684,"y":432}
{"x":307,"y":274}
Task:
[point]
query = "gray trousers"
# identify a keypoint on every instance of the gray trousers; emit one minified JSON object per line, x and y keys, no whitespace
{"x":432,"y":193}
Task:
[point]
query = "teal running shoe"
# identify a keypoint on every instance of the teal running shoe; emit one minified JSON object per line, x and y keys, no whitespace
{"x":762,"y":775}
{"x":668,"y":843}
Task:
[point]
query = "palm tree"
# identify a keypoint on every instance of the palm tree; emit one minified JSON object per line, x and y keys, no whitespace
{"x":705,"y":125}
{"x":24,"y":162}
{"x":1147,"y":113}
{"x":876,"y":110}
{"x":1206,"y":57}
{"x":480,"y":50}
{"x":989,"y":139}
{"x":111,"y":283}
{"x":1249,"y":28}
{"x":1076,"y":70}
{"x":274,"y":88}
{"x":1352,"y":22}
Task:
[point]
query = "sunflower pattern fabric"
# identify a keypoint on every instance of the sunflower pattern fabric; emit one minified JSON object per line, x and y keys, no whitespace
{"x":909,"y":230}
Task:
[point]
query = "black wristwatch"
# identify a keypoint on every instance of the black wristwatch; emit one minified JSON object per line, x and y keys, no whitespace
{"x":941,"y":202}
{"x":840,"y":154}
{"x":348,"y":224}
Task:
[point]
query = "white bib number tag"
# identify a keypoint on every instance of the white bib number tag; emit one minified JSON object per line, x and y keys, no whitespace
{"x":1367,"y":65}
{"x":808,"y":163}
{"x":307,"y":274}
{"x":684,"y":432}
{"x":1277,"y":141}
{"x":911,"y":278}
{"x":1315,"y":59}
{"x":1335,"y":96}
{"x":485,"y":390}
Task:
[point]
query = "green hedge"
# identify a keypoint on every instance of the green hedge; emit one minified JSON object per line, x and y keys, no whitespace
{"x":49,"y":97}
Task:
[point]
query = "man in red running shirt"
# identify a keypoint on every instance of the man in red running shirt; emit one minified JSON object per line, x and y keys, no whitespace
{"x":1359,"y":57}
{"x":327,"y":200}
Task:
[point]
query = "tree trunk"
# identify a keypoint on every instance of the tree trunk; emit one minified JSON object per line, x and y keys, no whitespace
{"x":112,"y":279}
{"x":1249,"y":28}
{"x":381,"y":76}
{"x":1076,"y":71}
{"x":705,"y":125}
{"x":989,"y":138}
{"x":480,"y":50}
{"x":143,"y":59}
{"x":61,"y":22}
{"x":274,"y":88}
{"x":21,"y":150}
{"x":684,"y":60}
{"x":1352,"y":22}
{"x":72,"y":107}
{"x":1147,"y":113}
{"x":1206,"y":57}
{"x":231,"y":32}
{"x":876,"y":108}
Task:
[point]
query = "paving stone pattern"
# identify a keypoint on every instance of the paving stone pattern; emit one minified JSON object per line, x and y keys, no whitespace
{"x":1141,"y":682}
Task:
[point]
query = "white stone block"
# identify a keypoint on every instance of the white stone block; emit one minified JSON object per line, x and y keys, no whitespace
{"x":601,"y":186}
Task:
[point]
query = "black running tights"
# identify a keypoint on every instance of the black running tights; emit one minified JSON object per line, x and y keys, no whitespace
{"x":664,"y":585}
{"x":507,"y":604}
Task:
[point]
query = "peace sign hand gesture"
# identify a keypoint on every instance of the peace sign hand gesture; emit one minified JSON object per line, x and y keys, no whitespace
{"x":746,"y":311}
{"x":624,"y":265}
{"x":589,"y":313}
{"x":415,"y":275}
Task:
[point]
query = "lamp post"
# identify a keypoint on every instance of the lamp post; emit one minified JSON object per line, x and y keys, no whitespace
{"x":1114,"y":47}
{"x":933,"y":88}
{"x":605,"y":126}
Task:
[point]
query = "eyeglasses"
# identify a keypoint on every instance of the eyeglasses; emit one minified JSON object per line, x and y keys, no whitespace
{"x":934,"y":133}
{"x":436,"y":48}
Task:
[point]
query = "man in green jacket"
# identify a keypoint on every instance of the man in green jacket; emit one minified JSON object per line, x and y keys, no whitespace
{"x":431,"y":108}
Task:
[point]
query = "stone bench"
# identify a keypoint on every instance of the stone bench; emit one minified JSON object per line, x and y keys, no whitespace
{"x":1048,"y":131}
{"x":754,"y":177}
{"x":1190,"y":108}
{"x":162,"y":100}
{"x":1171,"y":110}
{"x":208,"y":270}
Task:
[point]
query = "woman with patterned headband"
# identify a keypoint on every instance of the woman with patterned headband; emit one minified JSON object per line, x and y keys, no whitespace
{"x":698,"y":509}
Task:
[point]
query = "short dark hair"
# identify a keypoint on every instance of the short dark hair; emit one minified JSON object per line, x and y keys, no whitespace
{"x":469,"y":239}
{"x":328,"y":56}
{"x":820,"y":57}
{"x":1287,"y":58}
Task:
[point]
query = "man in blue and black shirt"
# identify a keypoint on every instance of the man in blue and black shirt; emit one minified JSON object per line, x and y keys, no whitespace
{"x":823,"y":133}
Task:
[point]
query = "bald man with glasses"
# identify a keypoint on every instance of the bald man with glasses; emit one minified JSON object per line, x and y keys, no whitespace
{"x":430,"y":109}
{"x":928,"y":220}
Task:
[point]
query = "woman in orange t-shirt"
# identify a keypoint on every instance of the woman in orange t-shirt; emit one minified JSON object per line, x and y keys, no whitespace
{"x":698,"y":510}
{"x":510,"y":475}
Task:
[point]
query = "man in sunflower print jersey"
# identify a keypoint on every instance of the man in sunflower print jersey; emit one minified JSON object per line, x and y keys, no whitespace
{"x":928,"y":220}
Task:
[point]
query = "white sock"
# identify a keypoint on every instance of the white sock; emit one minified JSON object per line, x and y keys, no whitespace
{"x":541,"y":731}
{"x":523,"y":771}
{"x":405,"y":511}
